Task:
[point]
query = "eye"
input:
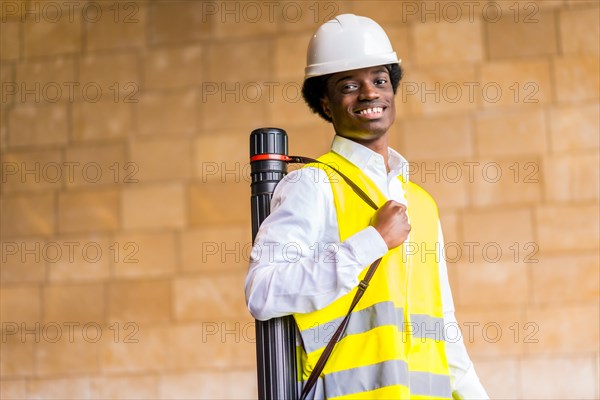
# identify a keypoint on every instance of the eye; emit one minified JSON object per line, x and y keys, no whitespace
{"x":381,"y":81}
{"x":348,"y":87}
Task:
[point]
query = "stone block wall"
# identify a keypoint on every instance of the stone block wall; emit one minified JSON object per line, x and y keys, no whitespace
{"x":125,"y":220}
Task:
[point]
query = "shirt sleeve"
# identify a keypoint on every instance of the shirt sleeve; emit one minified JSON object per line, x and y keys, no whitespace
{"x":298,"y":263}
{"x":464,"y":379}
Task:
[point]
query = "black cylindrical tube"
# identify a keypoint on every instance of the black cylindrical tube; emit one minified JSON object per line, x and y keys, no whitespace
{"x":275,"y":338}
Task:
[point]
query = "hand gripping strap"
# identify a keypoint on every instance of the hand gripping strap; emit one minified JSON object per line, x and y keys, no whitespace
{"x":362,"y":286}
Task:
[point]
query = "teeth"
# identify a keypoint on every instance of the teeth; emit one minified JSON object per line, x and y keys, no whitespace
{"x":371,"y":110}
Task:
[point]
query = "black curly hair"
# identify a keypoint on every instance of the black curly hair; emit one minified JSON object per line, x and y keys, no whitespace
{"x":313,"y":88}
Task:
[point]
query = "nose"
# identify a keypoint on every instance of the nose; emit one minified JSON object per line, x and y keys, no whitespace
{"x":368,"y":91}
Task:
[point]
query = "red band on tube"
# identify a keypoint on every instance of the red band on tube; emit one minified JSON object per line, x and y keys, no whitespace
{"x":261,"y":157}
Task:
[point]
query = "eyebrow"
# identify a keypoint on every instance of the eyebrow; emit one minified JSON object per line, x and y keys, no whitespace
{"x":377,"y":71}
{"x":343,"y":78}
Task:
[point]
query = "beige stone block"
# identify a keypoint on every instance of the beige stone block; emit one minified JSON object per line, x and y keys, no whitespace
{"x":194,"y":385}
{"x":401,"y":38}
{"x":447,"y":43}
{"x":127,"y":387}
{"x":20,"y":304}
{"x":572,"y":177}
{"x":513,"y":181}
{"x":388,"y":13}
{"x":38,"y":125}
{"x":492,"y":282}
{"x":295,"y":16}
{"x":243,"y":20}
{"x":523,"y":83}
{"x":209,"y":297}
{"x":13,"y":389}
{"x":208,"y":385}
{"x":179,"y":21}
{"x":526,"y":35}
{"x":558,"y":377}
{"x":446,"y":181}
{"x":492,"y":333}
{"x":225,"y":58}
{"x":85,"y":258}
{"x":118,"y":26}
{"x":216,"y":344}
{"x":174,"y":67}
{"x":141,"y":351}
{"x":33,"y":170}
{"x":28,"y":214}
{"x":244,"y":350}
{"x":311,"y":140}
{"x":575,"y":127}
{"x":145,"y":255}
{"x":510,"y":132}
{"x":290,"y":56}
{"x":162,"y":159}
{"x":168,"y":113}
{"x":576,"y":78}
{"x":7,"y":74}
{"x":435,"y":138}
{"x":14,"y":11}
{"x":104,"y":120}
{"x":555,"y":325}
{"x":110,"y":77}
{"x":565,"y":279}
{"x":216,"y":203}
{"x":219,"y":248}
{"x":580,"y":30}
{"x":3,"y":126}
{"x":23,"y":260}
{"x":10,"y":95}
{"x":64,"y":352}
{"x":248,"y":101}
{"x":450,"y":224}
{"x":153,"y":206}
{"x":243,"y":384}
{"x":46,"y":80}
{"x":80,"y":303}
{"x":58,"y":388}
{"x":499,"y":376}
{"x":440,"y":90}
{"x":222,"y":156}
{"x":287,"y":108}
{"x":17,"y":352}
{"x":567,"y":227}
{"x":483,"y":232}
{"x":88,"y":210}
{"x":10,"y":43}
{"x":91,"y":167}
{"x":579,"y":3}
{"x":139,"y":302}
{"x":52,"y":30}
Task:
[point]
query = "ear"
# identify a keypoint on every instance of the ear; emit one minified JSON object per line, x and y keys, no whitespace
{"x":325,"y":105}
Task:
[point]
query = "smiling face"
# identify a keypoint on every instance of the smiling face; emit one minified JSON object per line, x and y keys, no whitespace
{"x":361,"y":104}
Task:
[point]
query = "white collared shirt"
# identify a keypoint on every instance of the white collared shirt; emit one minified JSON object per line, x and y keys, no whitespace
{"x":299,"y":265}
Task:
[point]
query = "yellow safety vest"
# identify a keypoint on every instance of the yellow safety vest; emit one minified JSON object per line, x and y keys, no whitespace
{"x":393,"y":347}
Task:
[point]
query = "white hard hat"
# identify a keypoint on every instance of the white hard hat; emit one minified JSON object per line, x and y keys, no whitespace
{"x":345,"y":43}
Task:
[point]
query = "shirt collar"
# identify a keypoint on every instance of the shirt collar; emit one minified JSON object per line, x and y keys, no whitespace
{"x":363,"y":157}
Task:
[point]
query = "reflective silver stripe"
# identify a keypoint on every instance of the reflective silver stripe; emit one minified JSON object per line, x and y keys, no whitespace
{"x":372,"y":377}
{"x":426,"y":326}
{"x":428,"y":384}
{"x":362,"y":379}
{"x":380,"y":314}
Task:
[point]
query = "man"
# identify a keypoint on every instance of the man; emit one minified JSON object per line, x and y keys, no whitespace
{"x":321,"y":237}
